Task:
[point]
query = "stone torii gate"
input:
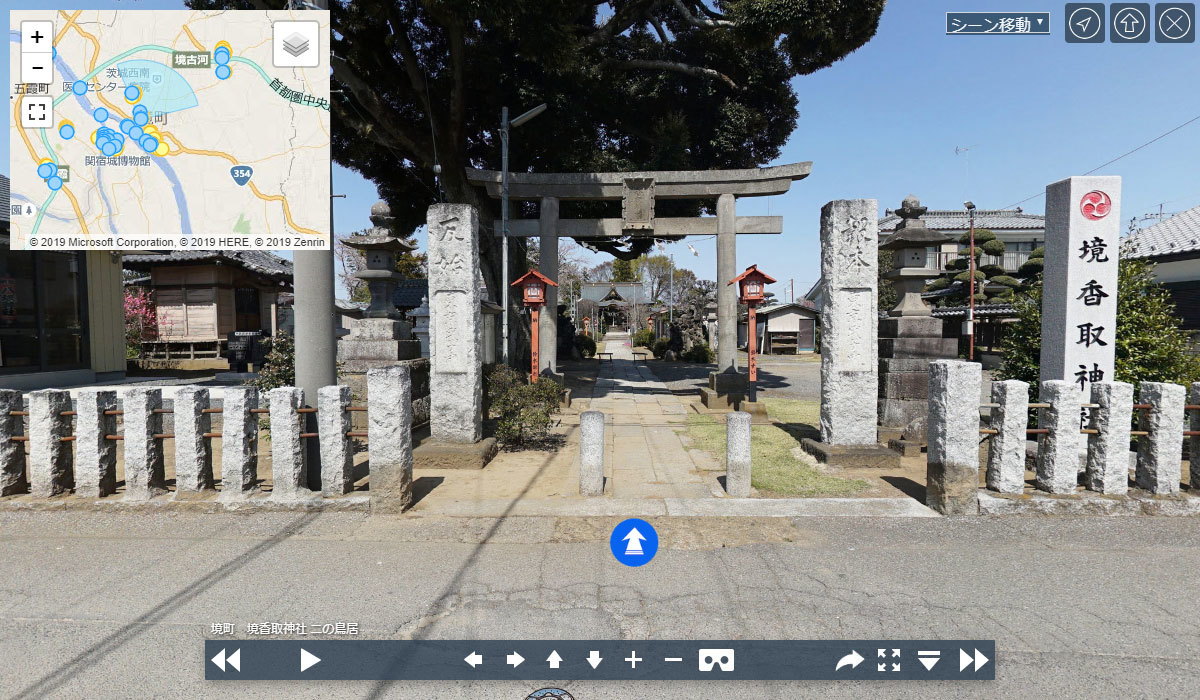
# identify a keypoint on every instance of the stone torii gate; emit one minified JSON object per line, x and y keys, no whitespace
{"x":638,"y":192}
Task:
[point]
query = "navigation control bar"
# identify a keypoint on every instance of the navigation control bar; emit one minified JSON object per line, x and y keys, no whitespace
{"x":368,"y":659}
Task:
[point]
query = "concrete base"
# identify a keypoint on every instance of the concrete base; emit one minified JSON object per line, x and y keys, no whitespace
{"x":441,"y":455}
{"x":1138,"y":502}
{"x":565,"y":399}
{"x":729,"y":382}
{"x":861,"y":456}
{"x":906,"y":448}
{"x":235,"y":378}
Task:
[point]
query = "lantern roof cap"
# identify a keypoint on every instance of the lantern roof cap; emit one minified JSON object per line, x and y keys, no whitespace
{"x":536,"y":275}
{"x":911,"y":231}
{"x":753,"y":273}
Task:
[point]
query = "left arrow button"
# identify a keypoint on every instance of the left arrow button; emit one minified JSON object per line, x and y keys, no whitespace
{"x":474,"y":658}
{"x":307,"y":660}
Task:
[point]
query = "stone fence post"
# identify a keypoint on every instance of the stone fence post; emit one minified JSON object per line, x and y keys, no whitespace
{"x":952,"y":471}
{"x":145,"y":475}
{"x":1194,"y":444}
{"x":389,"y":442}
{"x":1006,"y":451}
{"x":50,"y":459}
{"x":239,"y":442}
{"x":591,"y":453}
{"x":1161,"y":452}
{"x":289,"y":466}
{"x":193,"y":451}
{"x":737,"y":454}
{"x":1108,"y":449}
{"x":1058,"y":450}
{"x":337,"y":453}
{"x":12,"y":453}
{"x":95,"y":454}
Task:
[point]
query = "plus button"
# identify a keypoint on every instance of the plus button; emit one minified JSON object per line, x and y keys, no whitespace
{"x":37,"y":36}
{"x":633,"y":659}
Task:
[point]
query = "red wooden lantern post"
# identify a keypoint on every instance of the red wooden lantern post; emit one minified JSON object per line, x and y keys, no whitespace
{"x":533,"y":288}
{"x":752,"y":286}
{"x":587,"y":325}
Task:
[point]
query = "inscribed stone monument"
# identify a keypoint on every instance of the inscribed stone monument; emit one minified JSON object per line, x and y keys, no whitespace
{"x":849,"y":372}
{"x":455,"y":327}
{"x":1079,"y":300}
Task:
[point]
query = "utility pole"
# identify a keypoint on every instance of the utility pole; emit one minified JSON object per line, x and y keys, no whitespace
{"x":971,"y":309}
{"x":316,"y":342}
{"x":505,"y":125}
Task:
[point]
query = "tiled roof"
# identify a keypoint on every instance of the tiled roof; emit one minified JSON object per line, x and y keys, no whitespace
{"x":263,"y":262}
{"x":1178,"y":234}
{"x":802,"y":303}
{"x":957,"y":220}
{"x":630,"y":292}
{"x":980,"y":310}
{"x":4,"y":198}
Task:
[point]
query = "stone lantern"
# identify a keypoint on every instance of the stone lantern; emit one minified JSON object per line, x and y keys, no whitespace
{"x":382,"y":337}
{"x":379,"y":247}
{"x":911,"y":337}
{"x":910,"y":245}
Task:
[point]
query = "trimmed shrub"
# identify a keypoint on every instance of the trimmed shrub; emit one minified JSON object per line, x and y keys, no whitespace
{"x":643,"y":338}
{"x":524,"y":411}
{"x":661,"y":346}
{"x":585,"y":345}
{"x":700,"y":352}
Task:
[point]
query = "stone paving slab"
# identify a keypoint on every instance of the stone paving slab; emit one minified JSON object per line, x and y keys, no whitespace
{"x":689,"y":507}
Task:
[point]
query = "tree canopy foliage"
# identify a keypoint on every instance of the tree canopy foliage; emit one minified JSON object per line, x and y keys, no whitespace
{"x":630,"y":85}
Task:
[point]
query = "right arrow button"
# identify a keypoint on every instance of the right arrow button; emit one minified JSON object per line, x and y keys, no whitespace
{"x":965,"y":660}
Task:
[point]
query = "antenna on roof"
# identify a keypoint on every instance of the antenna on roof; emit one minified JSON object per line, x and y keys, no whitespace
{"x":967,"y":156}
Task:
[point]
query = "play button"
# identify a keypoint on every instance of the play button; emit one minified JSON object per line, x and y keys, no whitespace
{"x":307,"y":660}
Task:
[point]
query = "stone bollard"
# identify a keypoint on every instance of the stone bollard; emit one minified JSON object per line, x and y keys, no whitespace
{"x":1058,"y":450}
{"x":145,"y":475}
{"x":1108,"y":450}
{"x":12,"y":453}
{"x":289,"y":467}
{"x":1161,"y":452}
{"x":95,"y":454}
{"x":389,"y":442}
{"x":193,"y":451}
{"x":1194,"y":444}
{"x":337,"y":454}
{"x":591,"y":453}
{"x":239,"y":443}
{"x":50,"y":459}
{"x":952,"y":471}
{"x":1006,"y":451}
{"x":737,"y":454}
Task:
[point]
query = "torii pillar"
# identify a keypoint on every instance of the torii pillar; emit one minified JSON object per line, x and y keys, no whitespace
{"x":548,"y":266}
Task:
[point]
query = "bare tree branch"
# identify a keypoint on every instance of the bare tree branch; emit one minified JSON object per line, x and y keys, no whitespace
{"x":677,"y":67}
{"x":620,"y":21}
{"x":701,"y":21}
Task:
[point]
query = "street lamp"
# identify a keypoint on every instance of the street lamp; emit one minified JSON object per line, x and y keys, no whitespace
{"x":971,"y":308}
{"x":504,"y":127}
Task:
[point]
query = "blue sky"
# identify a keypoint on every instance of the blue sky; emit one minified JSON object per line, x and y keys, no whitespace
{"x":885,"y":122}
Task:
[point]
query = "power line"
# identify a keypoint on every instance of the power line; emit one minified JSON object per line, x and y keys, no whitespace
{"x":1114,"y":160}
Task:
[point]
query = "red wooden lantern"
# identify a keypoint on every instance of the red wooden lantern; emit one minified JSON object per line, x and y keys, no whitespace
{"x":752,"y":285}
{"x":533,"y":289}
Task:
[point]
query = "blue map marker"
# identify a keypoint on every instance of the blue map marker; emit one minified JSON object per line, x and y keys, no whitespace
{"x":634,"y":542}
{"x":241,"y":174}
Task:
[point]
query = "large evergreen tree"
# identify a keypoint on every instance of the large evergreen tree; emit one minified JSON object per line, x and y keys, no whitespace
{"x":630,"y":84}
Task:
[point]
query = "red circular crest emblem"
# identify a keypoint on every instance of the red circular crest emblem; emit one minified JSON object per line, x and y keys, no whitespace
{"x":1095,"y":205}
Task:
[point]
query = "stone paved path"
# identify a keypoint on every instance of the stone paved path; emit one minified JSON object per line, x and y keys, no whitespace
{"x":645,"y":457}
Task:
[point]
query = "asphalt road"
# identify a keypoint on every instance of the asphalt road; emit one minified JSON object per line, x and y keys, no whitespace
{"x":117,"y":605}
